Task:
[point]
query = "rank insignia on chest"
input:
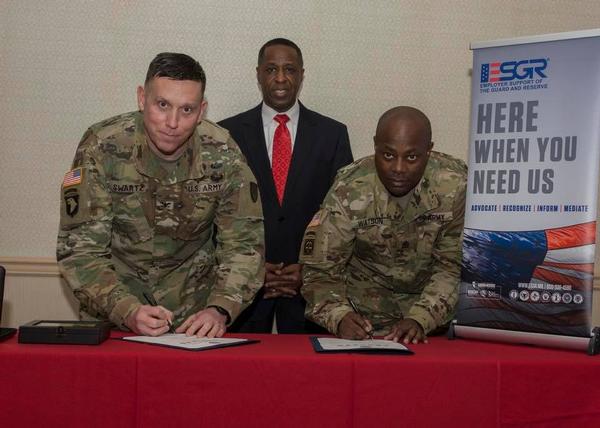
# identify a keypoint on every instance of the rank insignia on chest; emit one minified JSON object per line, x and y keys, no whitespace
{"x":71,"y":202}
{"x":216,"y":176}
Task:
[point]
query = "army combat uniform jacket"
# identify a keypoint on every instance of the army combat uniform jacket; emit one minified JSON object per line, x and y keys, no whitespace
{"x":189,"y":231}
{"x":394,"y":263}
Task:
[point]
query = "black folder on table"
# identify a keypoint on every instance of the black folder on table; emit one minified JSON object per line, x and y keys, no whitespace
{"x":5,"y":332}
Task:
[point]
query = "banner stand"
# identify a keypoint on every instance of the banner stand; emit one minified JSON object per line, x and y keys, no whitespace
{"x":591,"y":345}
{"x":529,"y":241}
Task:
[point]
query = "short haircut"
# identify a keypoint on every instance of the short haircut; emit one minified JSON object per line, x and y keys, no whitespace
{"x":280,"y":41}
{"x":176,"y":66}
{"x":406,"y":113}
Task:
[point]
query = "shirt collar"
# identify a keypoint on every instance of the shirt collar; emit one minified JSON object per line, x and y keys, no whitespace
{"x":269,"y":113}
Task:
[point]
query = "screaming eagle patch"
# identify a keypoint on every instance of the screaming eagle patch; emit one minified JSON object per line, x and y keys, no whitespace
{"x":71,"y":197}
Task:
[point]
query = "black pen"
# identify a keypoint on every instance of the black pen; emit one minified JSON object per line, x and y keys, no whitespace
{"x":152,"y":302}
{"x":355,"y":309}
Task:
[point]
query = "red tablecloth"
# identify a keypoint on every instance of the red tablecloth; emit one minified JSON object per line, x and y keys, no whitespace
{"x":282,"y":382}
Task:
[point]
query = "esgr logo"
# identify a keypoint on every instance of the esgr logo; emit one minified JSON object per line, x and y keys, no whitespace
{"x":513,"y":70}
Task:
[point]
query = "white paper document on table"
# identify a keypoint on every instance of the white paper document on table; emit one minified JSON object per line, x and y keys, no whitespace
{"x":376,"y":346}
{"x":190,"y":343}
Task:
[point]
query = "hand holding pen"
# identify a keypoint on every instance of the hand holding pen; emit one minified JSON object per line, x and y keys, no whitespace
{"x":152,"y":302}
{"x":150,"y":319}
{"x":355,"y":325}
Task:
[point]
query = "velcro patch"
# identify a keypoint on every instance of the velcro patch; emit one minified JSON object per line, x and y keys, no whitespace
{"x":118,"y":187}
{"x":314,"y":247}
{"x":71,"y":198}
{"x":372,"y":221}
{"x":316,"y":220}
{"x":308,"y":246}
{"x":204,"y":187}
{"x":73,"y":177}
{"x":435,"y":217}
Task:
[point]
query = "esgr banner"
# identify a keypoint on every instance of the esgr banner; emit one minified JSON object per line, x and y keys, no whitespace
{"x":530,"y":224}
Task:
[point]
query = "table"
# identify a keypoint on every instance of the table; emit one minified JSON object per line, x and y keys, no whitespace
{"x":282,"y":382}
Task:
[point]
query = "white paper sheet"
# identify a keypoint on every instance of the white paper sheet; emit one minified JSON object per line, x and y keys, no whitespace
{"x":334,"y":344}
{"x":187,"y":342}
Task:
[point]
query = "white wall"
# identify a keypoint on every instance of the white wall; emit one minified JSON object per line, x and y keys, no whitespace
{"x":67,"y":64}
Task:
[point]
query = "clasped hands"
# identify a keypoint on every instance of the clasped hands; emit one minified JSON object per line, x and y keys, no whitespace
{"x":154,"y":320}
{"x":353,"y":326}
{"x":282,"y":281}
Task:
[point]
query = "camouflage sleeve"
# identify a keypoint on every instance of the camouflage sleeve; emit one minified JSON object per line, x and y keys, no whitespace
{"x":440,"y":294}
{"x":83,"y":249}
{"x":326,"y":248}
{"x":240,"y":241}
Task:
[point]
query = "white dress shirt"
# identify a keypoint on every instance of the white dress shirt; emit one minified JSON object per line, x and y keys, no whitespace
{"x":270,"y":125}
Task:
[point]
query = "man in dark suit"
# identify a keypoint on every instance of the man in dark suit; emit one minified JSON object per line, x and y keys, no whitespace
{"x":294,"y":154}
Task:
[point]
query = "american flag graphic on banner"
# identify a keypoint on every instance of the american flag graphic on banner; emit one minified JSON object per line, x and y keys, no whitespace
{"x":569,"y":256}
{"x":72,"y":177}
{"x":563,"y":255}
{"x":538,"y":280}
{"x":490,"y":72}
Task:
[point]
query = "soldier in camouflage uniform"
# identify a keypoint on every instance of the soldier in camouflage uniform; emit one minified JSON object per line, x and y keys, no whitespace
{"x":161,"y":203}
{"x":388,"y":237}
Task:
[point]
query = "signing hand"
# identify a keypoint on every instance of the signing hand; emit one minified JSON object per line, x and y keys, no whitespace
{"x":407,"y":330}
{"x":355,"y":327}
{"x":206,"y":323}
{"x":149,"y":320}
{"x":282,"y":281}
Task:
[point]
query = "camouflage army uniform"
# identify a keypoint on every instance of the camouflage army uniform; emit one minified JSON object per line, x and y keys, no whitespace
{"x":132,"y":222}
{"x":392,"y":262}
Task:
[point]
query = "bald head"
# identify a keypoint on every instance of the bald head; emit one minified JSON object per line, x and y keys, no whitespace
{"x":407,"y":115}
{"x":402,"y":148}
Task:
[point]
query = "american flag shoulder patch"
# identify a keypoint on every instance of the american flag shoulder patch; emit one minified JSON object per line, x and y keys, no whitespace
{"x":316,"y":220}
{"x":73,"y":177}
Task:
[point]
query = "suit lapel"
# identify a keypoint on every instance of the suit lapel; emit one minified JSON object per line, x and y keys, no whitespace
{"x":254,"y":137}
{"x":303,"y":146}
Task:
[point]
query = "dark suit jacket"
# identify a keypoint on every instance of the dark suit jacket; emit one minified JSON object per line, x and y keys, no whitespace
{"x":320,"y":149}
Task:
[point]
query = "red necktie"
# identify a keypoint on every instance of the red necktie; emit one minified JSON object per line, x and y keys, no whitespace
{"x":282,"y":154}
